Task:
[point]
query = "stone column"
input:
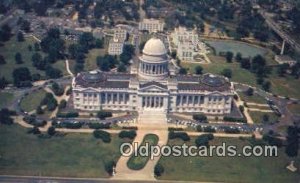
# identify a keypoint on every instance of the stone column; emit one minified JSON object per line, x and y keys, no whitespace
{"x":193,"y":100}
{"x":105,"y":98}
{"x":118,"y":98}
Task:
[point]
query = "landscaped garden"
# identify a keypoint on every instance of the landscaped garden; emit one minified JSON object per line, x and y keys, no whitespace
{"x":229,"y":169}
{"x":138,"y":162}
{"x":260,"y":117}
{"x":32,"y":100}
{"x":285,"y":86}
{"x":69,"y":155}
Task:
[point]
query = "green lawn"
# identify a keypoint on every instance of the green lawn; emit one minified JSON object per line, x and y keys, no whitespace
{"x":31,"y":101}
{"x":254,"y":98}
{"x":9,"y":50}
{"x":5,"y":98}
{"x":229,"y":169}
{"x":74,"y":155}
{"x":90,"y":61}
{"x":285,"y":86}
{"x":257,"y":116}
{"x":138,"y":162}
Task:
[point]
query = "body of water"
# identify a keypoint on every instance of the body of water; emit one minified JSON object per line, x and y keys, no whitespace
{"x":245,"y":49}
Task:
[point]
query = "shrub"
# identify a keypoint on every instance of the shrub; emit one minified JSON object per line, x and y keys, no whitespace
{"x":232,"y":119}
{"x":99,"y":125}
{"x":175,"y":129}
{"x":158,"y":169}
{"x":67,"y":115}
{"x":129,"y":128}
{"x":51,"y":131}
{"x":181,"y":135}
{"x":199,"y":128}
{"x":104,"y":114}
{"x":109,"y":166}
{"x":203,"y":140}
{"x":127,"y":134}
{"x":100,"y":134}
{"x":35,"y":130}
{"x":200,"y":117}
{"x":69,"y":125}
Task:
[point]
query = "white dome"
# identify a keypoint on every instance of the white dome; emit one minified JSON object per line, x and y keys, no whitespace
{"x":154,"y":46}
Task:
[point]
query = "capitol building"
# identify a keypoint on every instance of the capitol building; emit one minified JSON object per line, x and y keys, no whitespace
{"x":154,"y":87}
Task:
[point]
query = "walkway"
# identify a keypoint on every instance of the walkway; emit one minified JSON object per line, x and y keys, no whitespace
{"x":68,"y":67}
{"x":159,"y":127}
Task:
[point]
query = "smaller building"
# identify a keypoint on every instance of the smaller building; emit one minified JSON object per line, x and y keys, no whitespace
{"x":185,"y":50}
{"x":120,"y":34}
{"x":285,"y":59}
{"x":183,"y":34}
{"x":115,"y":47}
{"x":151,"y":25}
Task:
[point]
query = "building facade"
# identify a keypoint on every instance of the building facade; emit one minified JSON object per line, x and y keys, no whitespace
{"x":152,"y":88}
{"x":151,"y":25}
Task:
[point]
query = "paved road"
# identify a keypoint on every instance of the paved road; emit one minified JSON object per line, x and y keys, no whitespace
{"x":28,"y":179}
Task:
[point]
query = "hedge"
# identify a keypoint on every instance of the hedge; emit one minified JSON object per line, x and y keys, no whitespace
{"x":99,"y":125}
{"x":103,"y":135}
{"x":67,"y":115}
{"x":127,"y":134}
{"x":181,"y":135}
{"x":232,"y":119}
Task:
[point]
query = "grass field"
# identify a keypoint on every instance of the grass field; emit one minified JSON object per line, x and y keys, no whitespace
{"x":285,"y":86}
{"x":294,"y":108}
{"x":5,"y":98}
{"x":90,"y":61}
{"x":258,"y":116}
{"x":254,"y":98}
{"x":229,"y":169}
{"x":31,"y":101}
{"x":9,"y":50}
{"x":74,"y":155}
{"x":138,"y":162}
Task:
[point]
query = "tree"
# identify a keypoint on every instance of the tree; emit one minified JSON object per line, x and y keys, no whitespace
{"x":174,"y":54}
{"x":2,"y":60}
{"x":18,"y":58}
{"x":202,"y":140}
{"x":22,"y":77}
{"x":229,"y":56}
{"x":87,"y":40}
{"x":292,"y":146}
{"x":3,"y":82}
{"x":245,"y":63}
{"x":266,"y":117}
{"x":51,"y":131}
{"x":5,"y":116}
{"x":227,"y":73}
{"x":250,"y":91}
{"x":38,"y":61}
{"x":57,"y":89}
{"x":53,"y":73}
{"x":37,"y":47}
{"x":121,"y":68}
{"x":99,"y":43}
{"x":103,"y":135}
{"x":238,"y":57}
{"x":103,"y":114}
{"x":282,"y":69}
{"x":183,"y":71}
{"x":20,"y":37}
{"x":39,"y":110}
{"x":200,"y":117}
{"x":266,"y":85}
{"x":198,"y":70}
{"x":158,"y":170}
